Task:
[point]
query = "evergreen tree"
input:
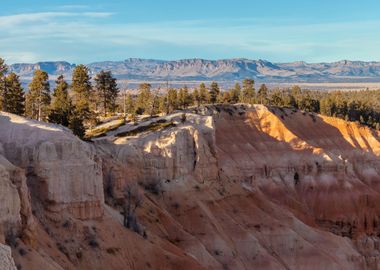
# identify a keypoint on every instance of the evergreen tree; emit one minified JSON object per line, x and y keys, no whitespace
{"x":129,"y":104}
{"x":188,"y":97}
{"x":236,"y":93}
{"x":353,"y":110}
{"x":13,"y":95}
{"x":107,"y":90}
{"x":184,"y":98}
{"x":82,"y":92}
{"x":327,"y":106}
{"x":248,"y":91}
{"x":3,"y":67}
{"x":163,"y":104}
{"x":172,"y":100}
{"x":276,"y":98}
{"x":153,"y":104}
{"x":61,"y":107}
{"x":226,"y":98}
{"x":181,"y":98}
{"x":38,"y":98}
{"x":309,"y":104}
{"x":214,"y":92}
{"x":76,"y":125}
{"x":203,"y":93}
{"x":289,"y":100}
{"x":262,"y":94}
{"x":144,"y":98}
{"x":3,"y":71}
{"x":196,"y":97}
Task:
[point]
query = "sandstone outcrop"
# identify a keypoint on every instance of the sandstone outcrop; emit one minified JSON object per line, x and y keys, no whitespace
{"x":10,"y":204}
{"x":255,"y":186}
{"x":6,"y":260}
{"x":62,"y":171}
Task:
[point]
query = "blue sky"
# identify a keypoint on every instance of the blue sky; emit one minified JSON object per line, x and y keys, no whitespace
{"x":276,"y":30}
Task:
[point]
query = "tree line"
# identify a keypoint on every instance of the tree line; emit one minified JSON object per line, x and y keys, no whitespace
{"x":356,"y":106}
{"x":150,"y":102}
{"x":78,"y":104}
{"x":73,"y":106}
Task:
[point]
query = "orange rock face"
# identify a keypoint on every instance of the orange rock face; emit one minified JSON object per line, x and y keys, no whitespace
{"x":263,"y":188}
{"x":232,"y":187}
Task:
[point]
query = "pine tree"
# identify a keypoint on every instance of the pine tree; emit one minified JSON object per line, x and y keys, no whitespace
{"x":196,"y":97}
{"x":163,"y":104}
{"x":262,"y":94}
{"x":225,"y":98}
{"x":327,"y":106}
{"x":235,"y":93}
{"x":153,"y":104}
{"x":13,"y":95}
{"x":188,"y":101}
{"x":76,"y":125}
{"x":309,"y":104}
{"x":61,"y":107}
{"x":129,"y":104}
{"x":172,"y":100}
{"x":296,"y":92}
{"x":3,"y":67}
{"x":289,"y":100}
{"x":144,"y":98}
{"x":276,"y":98}
{"x":214,"y":92}
{"x":3,"y":71}
{"x":107,"y":90}
{"x":203,"y":93}
{"x":184,"y":98}
{"x":38,"y":98}
{"x":248,"y":91}
{"x":181,"y":98}
{"x":82,"y":92}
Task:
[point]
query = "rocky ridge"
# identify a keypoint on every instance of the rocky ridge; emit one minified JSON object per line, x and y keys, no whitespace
{"x":218,"y":70}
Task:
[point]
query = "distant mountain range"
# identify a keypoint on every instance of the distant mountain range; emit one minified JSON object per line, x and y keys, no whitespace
{"x":219,"y":70}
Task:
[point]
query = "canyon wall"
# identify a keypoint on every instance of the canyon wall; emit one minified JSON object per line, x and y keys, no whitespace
{"x":223,"y":187}
{"x":255,"y":186}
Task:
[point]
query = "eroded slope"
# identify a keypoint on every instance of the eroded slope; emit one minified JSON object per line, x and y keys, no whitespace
{"x":221,"y":187}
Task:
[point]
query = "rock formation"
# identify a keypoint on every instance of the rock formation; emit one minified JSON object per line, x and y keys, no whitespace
{"x":63,"y":171}
{"x":6,"y":260}
{"x":225,"y":187}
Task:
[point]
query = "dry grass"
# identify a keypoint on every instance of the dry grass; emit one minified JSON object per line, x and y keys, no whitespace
{"x":155,"y":126}
{"x":102,"y":131}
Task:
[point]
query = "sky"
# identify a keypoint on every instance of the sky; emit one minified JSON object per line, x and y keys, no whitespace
{"x":275,"y":30}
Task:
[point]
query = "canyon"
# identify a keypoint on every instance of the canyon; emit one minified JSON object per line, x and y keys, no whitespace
{"x":215,"y":187}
